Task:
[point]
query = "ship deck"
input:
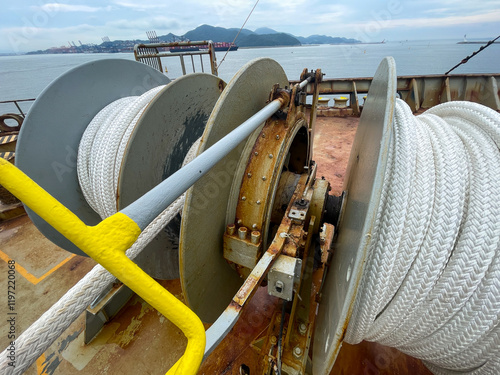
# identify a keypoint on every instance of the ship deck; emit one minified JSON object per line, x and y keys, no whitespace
{"x":139,"y":339}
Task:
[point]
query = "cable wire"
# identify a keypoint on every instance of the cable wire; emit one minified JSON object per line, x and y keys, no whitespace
{"x":239,"y":31}
{"x":471,"y":56}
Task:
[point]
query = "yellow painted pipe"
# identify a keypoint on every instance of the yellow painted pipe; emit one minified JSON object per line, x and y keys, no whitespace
{"x":106,"y":243}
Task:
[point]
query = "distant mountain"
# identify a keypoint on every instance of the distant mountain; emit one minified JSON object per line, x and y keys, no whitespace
{"x":324,"y":39}
{"x":267,"y":40}
{"x":262,"y":37}
{"x":243,"y":31}
{"x":216,"y":34}
{"x":169,"y":38}
{"x":265,"y":30}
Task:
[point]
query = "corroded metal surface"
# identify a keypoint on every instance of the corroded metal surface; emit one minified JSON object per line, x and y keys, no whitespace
{"x":240,"y":349}
{"x":230,"y":315}
{"x":252,"y":343}
{"x":208,"y":282}
{"x":281,"y":239}
{"x":429,"y":90}
{"x":152,"y":53}
{"x":275,"y":149}
{"x":269,"y":155}
{"x":161,"y":139}
{"x":318,"y":77}
{"x":318,"y":200}
{"x":373,"y":358}
{"x":286,"y":235}
{"x":261,"y":174}
{"x":8,"y":126}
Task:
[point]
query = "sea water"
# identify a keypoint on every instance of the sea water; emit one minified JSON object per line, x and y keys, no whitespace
{"x":25,"y":76}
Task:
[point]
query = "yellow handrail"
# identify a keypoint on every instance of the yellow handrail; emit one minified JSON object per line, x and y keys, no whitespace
{"x":106,"y":243}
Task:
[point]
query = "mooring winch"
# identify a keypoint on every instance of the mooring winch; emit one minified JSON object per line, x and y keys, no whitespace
{"x":257,"y":215}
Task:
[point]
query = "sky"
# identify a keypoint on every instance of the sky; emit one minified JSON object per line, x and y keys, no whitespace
{"x":40,"y":24}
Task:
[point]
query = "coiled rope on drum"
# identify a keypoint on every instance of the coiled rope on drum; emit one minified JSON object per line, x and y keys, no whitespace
{"x":431,"y":283}
{"x":99,"y":160}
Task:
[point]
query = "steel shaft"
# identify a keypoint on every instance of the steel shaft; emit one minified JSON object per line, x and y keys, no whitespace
{"x":150,"y":205}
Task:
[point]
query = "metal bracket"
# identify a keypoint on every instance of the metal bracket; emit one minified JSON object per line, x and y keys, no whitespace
{"x":284,"y":277}
{"x":299,"y":210}
{"x":104,"y":308}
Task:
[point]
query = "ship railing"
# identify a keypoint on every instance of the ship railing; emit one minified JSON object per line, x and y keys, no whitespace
{"x":419,"y":92}
{"x":152,"y":53}
{"x":10,"y":124}
{"x":16,"y":103}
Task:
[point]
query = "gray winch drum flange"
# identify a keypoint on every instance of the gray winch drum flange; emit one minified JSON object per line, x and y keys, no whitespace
{"x":363,"y":186}
{"x":48,"y":142}
{"x":208,"y":281}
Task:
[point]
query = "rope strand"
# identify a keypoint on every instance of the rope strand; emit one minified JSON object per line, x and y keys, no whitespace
{"x":430,"y":286}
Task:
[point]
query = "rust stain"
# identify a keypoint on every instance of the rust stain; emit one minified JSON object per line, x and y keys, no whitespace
{"x":260,"y":175}
{"x":222,"y":85}
{"x":234,"y":306}
{"x":372,"y":358}
{"x":130,"y":322}
{"x":238,"y":347}
{"x":246,"y":290}
{"x":76,"y":263}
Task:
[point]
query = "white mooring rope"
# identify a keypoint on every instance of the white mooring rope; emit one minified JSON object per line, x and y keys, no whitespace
{"x":102,"y":149}
{"x":99,"y":158}
{"x":431,"y":286}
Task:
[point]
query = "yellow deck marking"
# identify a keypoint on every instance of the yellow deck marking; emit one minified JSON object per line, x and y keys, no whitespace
{"x":30,"y":277}
{"x":39,"y":364}
{"x":8,"y":155}
{"x":7,"y":139}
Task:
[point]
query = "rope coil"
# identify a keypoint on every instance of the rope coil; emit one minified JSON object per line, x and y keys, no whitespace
{"x":102,"y":150}
{"x":100,"y":155}
{"x":431,"y":286}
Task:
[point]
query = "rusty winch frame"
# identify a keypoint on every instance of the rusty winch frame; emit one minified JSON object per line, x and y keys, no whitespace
{"x":275,"y":235}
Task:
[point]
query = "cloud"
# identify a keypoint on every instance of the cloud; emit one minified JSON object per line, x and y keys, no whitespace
{"x":58,"y":7}
{"x":439,"y":11}
{"x":140,"y":6}
{"x":366,"y":20}
{"x":458,"y":7}
{"x":32,"y":31}
{"x":33,"y":38}
{"x":435,"y":21}
{"x":159,"y":22}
